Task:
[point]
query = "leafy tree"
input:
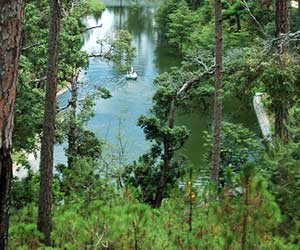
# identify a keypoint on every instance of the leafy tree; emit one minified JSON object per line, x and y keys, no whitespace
{"x":158,"y":170}
{"x":118,"y":49}
{"x":282,"y":167}
{"x":248,"y":212}
{"x":238,"y":147}
{"x":182,"y":22}
{"x":280,"y":78}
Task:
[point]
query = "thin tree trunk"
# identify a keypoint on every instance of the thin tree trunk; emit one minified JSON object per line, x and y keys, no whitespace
{"x":190,"y":222}
{"x":282,"y":13}
{"x":246,"y":214}
{"x":46,"y":167}
{"x":218,"y":94}
{"x":11,"y":19}
{"x":238,"y":23}
{"x":72,"y":134}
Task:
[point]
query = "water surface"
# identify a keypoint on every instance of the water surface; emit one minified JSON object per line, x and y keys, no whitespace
{"x":116,"y":117}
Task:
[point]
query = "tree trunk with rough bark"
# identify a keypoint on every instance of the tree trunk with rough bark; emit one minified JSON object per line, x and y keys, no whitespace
{"x":282,"y":14}
{"x":282,"y":17}
{"x":46,"y":165}
{"x":216,"y":160}
{"x":11,"y":19}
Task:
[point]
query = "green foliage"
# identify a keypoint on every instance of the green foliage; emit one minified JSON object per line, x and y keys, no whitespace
{"x":248,"y":204}
{"x":238,"y":147}
{"x":160,"y":164}
{"x":24,"y":191}
{"x":93,"y":6}
{"x":81,"y":182}
{"x":282,"y":166}
{"x":87,"y":143}
{"x":116,"y":220}
{"x":118,"y":49}
{"x":29,"y":103}
{"x":281,"y":79}
{"x":188,"y":25}
{"x":163,"y":14}
{"x":181,"y":25}
{"x":86,"y":105}
{"x":29,"y":117}
{"x":170,"y":82}
{"x":92,"y":211}
{"x":23,"y":231}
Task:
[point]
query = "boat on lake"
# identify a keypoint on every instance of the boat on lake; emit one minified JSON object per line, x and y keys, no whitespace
{"x":131,"y":75}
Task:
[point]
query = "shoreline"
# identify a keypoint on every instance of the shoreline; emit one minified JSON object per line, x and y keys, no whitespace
{"x":63,"y":90}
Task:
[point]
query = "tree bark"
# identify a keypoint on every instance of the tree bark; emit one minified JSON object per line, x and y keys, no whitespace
{"x":11,"y":19}
{"x":282,"y":14}
{"x":46,"y":166}
{"x":216,"y":161}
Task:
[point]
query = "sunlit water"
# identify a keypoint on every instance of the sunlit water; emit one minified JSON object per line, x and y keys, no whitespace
{"x":116,"y":117}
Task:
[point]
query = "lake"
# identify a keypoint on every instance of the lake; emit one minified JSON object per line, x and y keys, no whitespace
{"x":116,"y":118}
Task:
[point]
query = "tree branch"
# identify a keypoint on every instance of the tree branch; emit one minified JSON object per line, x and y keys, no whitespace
{"x":94,"y":27}
{"x":253,"y":17}
{"x":188,"y":84}
{"x":33,"y":45}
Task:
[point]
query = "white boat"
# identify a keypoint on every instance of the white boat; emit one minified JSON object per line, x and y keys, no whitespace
{"x":131,"y":76}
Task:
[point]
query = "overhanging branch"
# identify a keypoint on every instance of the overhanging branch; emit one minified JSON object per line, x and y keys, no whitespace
{"x":188,"y":84}
{"x":94,"y":27}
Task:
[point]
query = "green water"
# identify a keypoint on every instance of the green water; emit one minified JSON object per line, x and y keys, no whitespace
{"x":117,"y":117}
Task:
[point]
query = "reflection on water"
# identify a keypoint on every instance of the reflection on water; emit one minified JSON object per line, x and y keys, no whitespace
{"x":119,"y":114}
{"x":117,"y":117}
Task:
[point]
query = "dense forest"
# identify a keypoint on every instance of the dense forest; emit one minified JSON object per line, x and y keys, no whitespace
{"x":245,"y":193}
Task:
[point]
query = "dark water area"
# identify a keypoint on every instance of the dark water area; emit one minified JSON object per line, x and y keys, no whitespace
{"x":116,"y":117}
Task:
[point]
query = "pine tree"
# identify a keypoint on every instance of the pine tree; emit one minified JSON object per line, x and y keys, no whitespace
{"x":216,"y":159}
{"x":11,"y":20}
{"x":282,"y":20}
{"x":46,"y":165}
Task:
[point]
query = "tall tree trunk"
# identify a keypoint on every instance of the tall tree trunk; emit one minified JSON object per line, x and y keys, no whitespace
{"x":46,"y":166}
{"x":282,"y":13}
{"x":11,"y":19}
{"x":216,"y":160}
